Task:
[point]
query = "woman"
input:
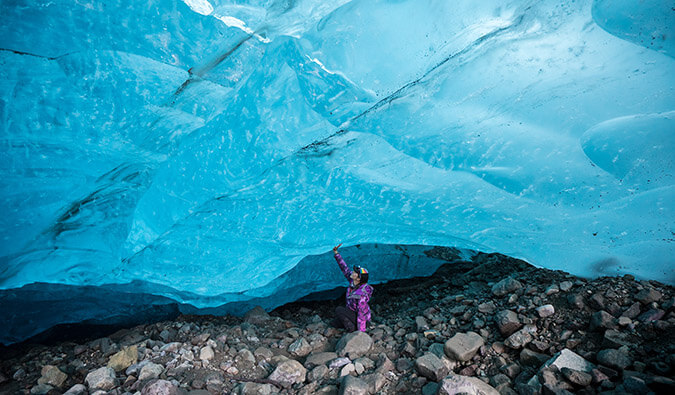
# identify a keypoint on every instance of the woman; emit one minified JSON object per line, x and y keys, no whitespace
{"x":357,"y":313}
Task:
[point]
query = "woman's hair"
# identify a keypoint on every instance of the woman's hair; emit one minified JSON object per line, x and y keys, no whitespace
{"x":363,"y":278}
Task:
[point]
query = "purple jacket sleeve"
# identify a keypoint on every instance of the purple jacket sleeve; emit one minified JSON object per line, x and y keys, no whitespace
{"x":363,"y":313}
{"x":343,"y":266}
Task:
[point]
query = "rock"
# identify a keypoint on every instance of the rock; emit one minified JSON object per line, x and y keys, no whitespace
{"x":506,"y":286}
{"x":245,"y":358}
{"x":319,"y":358}
{"x":350,"y":385}
{"x":651,"y":315}
{"x":635,"y":385}
{"x":254,"y":389}
{"x":602,"y":320}
{"x":576,"y":301}
{"x":150,"y":371}
{"x":546,"y":310}
{"x":339,"y":362}
{"x":160,"y":387}
{"x":520,"y":338}
{"x":421,"y":324}
{"x":566,"y":286}
{"x":633,"y":311}
{"x":256,"y":316}
{"x":507,"y":322}
{"x":648,"y":295}
{"x":576,"y":377}
{"x":51,"y":375}
{"x":354,"y":345}
{"x":318,"y":373}
{"x":123,"y":359}
{"x":615,"y":339}
{"x":263,"y":353}
{"x":206,"y":353}
{"x":568,"y":359}
{"x":531,"y":358}
{"x":624,"y":321}
{"x":456,"y":384}
{"x":431,"y":367}
{"x":463,"y":346}
{"x":41,"y":389}
{"x":597,"y":301}
{"x":487,"y":308}
{"x":614,"y":358}
{"x":77,"y":389}
{"x":101,"y":379}
{"x":347,"y":369}
{"x":289,"y":372}
{"x":299,"y":348}
{"x":512,"y":370}
{"x":430,"y":389}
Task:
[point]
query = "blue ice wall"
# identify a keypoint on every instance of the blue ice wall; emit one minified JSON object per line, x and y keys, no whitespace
{"x":208,"y":146}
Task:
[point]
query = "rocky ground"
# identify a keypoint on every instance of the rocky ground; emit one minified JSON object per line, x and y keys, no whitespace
{"x":494,"y":325}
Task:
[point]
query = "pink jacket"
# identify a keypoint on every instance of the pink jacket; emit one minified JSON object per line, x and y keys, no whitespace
{"x":357,"y":299}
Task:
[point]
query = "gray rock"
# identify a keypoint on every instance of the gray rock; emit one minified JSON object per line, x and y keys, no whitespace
{"x":568,"y":359}
{"x":532,"y":358}
{"x":581,"y":379}
{"x":51,"y":375}
{"x":160,"y":387}
{"x":150,"y":371}
{"x":289,"y":372}
{"x":463,"y":346}
{"x":263,"y":353}
{"x":635,"y":385}
{"x":256,"y":316}
{"x":319,"y":358}
{"x":254,"y":389}
{"x":615,"y":339}
{"x":614,"y":358}
{"x":546,"y":310}
{"x":506,"y":286}
{"x":77,"y":389}
{"x":633,"y":311}
{"x":648,"y":295}
{"x":431,"y":367}
{"x":375,"y":381}
{"x":318,"y":373}
{"x":299,"y":348}
{"x":244,"y":357}
{"x":101,"y":379}
{"x":566,"y":286}
{"x":351,"y":385}
{"x":651,"y":315}
{"x":520,"y":338}
{"x":339,"y":362}
{"x":354,"y":345}
{"x":487,"y":307}
{"x":430,"y":388}
{"x":456,"y":384}
{"x":602,"y":320}
{"x":41,"y":389}
{"x":597,"y":301}
{"x":206,"y":353}
{"x":421,"y":324}
{"x":507,"y":322}
{"x":123,"y":359}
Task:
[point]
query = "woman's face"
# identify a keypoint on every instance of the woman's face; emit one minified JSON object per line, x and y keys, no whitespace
{"x":355,"y":277}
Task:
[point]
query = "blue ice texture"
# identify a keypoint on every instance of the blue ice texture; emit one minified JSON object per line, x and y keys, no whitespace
{"x":197,"y":151}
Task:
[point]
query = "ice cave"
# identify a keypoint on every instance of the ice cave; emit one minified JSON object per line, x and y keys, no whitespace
{"x":206,"y":155}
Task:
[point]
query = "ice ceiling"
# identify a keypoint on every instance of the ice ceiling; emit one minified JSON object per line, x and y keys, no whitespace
{"x":204,"y":148}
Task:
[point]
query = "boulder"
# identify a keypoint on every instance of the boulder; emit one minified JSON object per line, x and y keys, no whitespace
{"x":288,"y":373}
{"x":569,"y":359}
{"x":614,"y":358}
{"x":299,"y":348}
{"x":457,"y":384}
{"x":602,"y":320}
{"x":206,"y":353}
{"x":160,"y":387}
{"x":463,"y":346}
{"x":520,"y":338}
{"x":77,"y":389}
{"x":506,"y":286}
{"x":633,"y":311}
{"x":319,"y":358}
{"x":648,"y":295}
{"x":101,"y":379}
{"x":431,"y":367}
{"x":150,"y":371}
{"x":41,"y":389}
{"x":256,"y":316}
{"x":254,"y":389}
{"x":532,"y":358}
{"x":546,"y":310}
{"x":123,"y":359}
{"x":507,"y":322}
{"x":615,"y":339}
{"x":350,"y":385}
{"x":576,"y":377}
{"x":51,"y":375}
{"x":354,"y":345}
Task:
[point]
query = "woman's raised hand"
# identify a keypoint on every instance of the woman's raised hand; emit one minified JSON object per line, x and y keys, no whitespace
{"x":336,"y":248}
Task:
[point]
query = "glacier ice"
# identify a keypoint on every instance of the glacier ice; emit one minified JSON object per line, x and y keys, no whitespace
{"x":199,"y":150}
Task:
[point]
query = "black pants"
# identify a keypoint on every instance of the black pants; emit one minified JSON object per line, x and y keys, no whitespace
{"x":345,"y":318}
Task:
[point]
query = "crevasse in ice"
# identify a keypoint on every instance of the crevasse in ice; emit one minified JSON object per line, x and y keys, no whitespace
{"x":200,"y":149}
